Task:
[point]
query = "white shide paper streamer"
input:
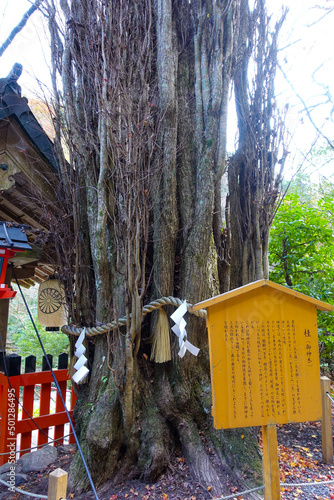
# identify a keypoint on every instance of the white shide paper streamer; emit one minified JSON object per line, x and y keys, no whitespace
{"x":180,"y":330}
{"x":80,"y":350}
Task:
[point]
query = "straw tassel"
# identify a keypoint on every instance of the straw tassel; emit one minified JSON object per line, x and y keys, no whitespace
{"x":161,"y":342}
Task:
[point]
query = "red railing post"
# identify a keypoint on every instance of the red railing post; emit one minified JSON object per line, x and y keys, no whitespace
{"x":28,"y":404}
{"x":59,"y":429}
{"x":71,"y":439}
{"x":3,"y":418}
{"x":13,"y":399}
{"x":8,"y":416}
{"x":44,"y":404}
{"x":10,"y":394}
{"x":28,"y":409}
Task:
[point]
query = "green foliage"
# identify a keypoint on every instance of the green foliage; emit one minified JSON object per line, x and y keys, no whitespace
{"x":22,"y":337}
{"x":326,"y":347}
{"x":302,"y":249}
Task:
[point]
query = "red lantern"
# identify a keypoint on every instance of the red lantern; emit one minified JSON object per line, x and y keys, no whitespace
{"x":12,"y":239}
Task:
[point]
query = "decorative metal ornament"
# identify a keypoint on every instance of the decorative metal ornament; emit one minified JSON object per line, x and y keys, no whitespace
{"x":52,"y":310}
{"x":49,"y":300}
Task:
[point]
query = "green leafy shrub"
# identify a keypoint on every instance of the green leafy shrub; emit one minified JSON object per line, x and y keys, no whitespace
{"x":301,"y":251}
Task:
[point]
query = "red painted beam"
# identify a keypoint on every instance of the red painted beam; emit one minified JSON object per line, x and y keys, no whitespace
{"x":44,"y":421}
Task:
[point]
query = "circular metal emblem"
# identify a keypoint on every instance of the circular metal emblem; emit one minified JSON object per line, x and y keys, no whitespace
{"x":50,"y":300}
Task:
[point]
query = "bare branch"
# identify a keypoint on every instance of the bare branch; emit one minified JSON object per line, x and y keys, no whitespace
{"x":306,"y":109}
{"x":320,"y":18}
{"x":20,"y":26}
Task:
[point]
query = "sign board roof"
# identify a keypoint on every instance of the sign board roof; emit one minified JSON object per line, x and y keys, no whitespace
{"x":322,"y":306}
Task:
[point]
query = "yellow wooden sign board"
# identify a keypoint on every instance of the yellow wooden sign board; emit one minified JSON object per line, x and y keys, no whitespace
{"x":264,"y":356}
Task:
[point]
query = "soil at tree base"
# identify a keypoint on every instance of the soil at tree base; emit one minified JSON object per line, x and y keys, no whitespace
{"x":300,"y":461}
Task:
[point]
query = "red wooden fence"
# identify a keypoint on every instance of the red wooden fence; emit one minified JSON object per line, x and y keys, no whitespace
{"x":22,"y":387}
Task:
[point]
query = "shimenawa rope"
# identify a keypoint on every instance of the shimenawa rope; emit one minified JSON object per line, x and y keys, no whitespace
{"x":152,"y":306}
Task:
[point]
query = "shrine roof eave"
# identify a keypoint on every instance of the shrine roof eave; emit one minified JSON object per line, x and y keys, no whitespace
{"x":30,"y":127}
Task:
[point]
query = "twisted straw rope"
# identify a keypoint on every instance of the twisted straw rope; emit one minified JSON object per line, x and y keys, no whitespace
{"x":152,"y":306}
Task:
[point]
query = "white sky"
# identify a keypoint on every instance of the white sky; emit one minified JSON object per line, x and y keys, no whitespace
{"x":307,"y":59}
{"x":29,"y":47}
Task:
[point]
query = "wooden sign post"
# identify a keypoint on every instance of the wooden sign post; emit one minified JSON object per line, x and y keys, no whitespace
{"x":326,"y":421}
{"x":270,"y":462}
{"x":264,"y":361}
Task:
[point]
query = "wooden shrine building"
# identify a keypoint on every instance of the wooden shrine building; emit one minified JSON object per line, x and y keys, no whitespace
{"x":29,"y":186}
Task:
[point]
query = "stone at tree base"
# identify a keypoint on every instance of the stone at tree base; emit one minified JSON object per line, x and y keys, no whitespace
{"x":38,"y":460}
{"x":19,"y":478}
{"x":8,"y":466}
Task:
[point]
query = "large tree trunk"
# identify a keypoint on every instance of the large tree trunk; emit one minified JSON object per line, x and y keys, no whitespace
{"x":252,"y":179}
{"x":145,"y":91}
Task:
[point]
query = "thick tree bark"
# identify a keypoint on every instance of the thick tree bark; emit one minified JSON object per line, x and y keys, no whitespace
{"x":145,"y":92}
{"x":165,"y":205}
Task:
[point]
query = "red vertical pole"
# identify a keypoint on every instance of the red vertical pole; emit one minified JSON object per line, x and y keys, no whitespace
{"x":44,"y":409}
{"x":15,"y":389}
{"x":28,"y":399}
{"x":73,"y":401}
{"x":59,"y":429}
{"x":28,"y":405}
{"x":3,"y":418}
{"x":8,"y":413}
